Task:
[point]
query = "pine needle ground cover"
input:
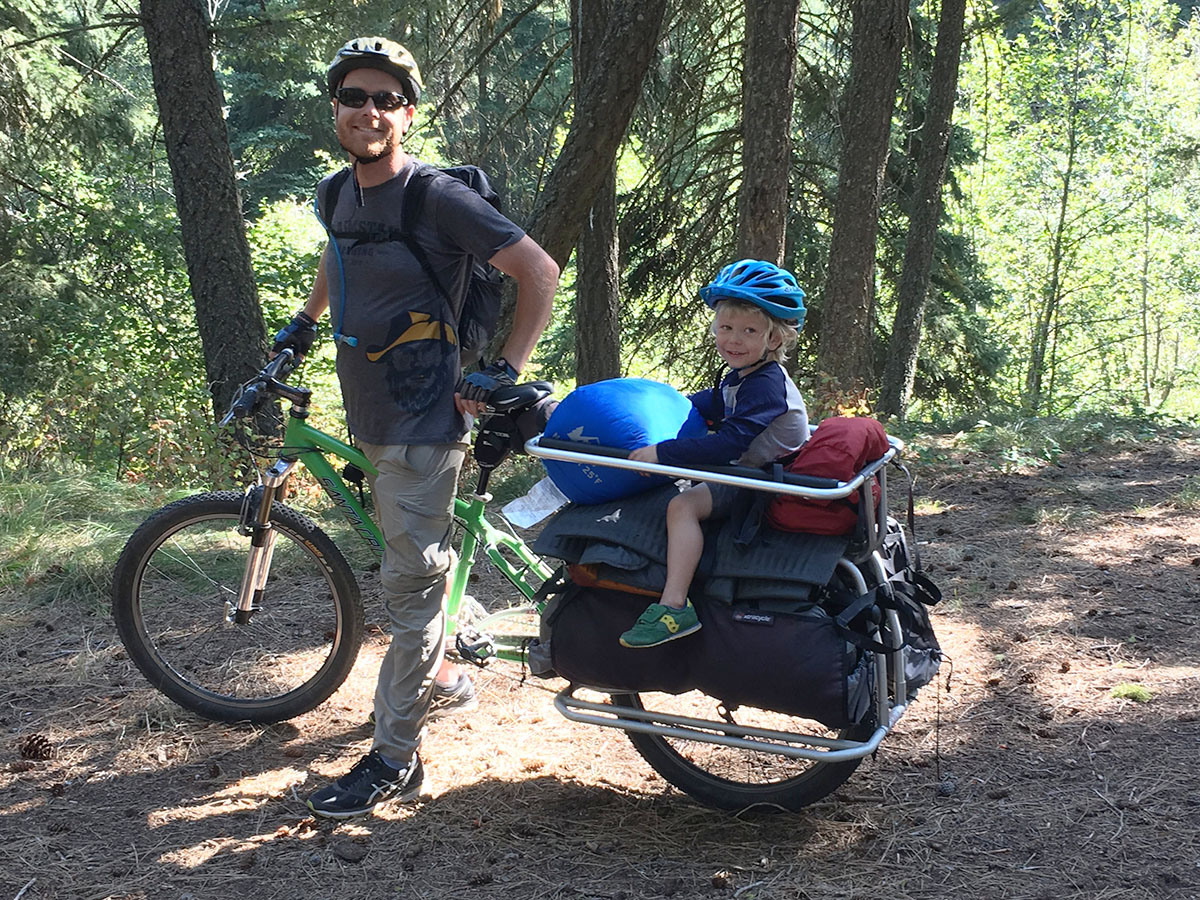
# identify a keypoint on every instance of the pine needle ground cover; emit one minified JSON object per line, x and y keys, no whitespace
{"x":1058,"y":758}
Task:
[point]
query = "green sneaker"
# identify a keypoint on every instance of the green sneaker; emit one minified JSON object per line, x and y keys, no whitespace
{"x":659,"y":624}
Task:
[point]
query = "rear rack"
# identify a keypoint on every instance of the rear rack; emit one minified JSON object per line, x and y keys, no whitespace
{"x":872,"y":517}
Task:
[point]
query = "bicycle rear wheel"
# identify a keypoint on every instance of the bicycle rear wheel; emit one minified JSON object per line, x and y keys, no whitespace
{"x":176,"y":585}
{"x":731,"y":778}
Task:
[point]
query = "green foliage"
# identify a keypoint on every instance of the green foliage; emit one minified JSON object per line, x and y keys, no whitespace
{"x":1020,"y":442}
{"x":1127,"y":690}
{"x":1078,"y":201}
{"x":96,"y":342}
{"x":1015,"y":445}
{"x":1189,"y":495}
{"x":678,"y":221}
{"x":285,"y":243}
{"x":496,"y":87}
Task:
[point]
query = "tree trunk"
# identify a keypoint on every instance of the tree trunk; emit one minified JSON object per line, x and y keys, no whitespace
{"x":768,"y":88}
{"x":597,"y":279}
{"x":604,"y":105}
{"x":1149,"y":371}
{"x":1047,"y":314}
{"x":206,"y":197}
{"x":844,"y":353}
{"x":926,"y":214}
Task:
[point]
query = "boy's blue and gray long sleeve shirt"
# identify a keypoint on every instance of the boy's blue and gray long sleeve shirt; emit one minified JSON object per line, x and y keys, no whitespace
{"x":755,"y":420}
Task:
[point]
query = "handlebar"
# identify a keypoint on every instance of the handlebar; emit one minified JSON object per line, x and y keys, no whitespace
{"x":271,"y":382}
{"x":267,"y":383}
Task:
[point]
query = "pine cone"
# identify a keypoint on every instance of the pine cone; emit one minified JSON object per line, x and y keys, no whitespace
{"x":36,"y":746}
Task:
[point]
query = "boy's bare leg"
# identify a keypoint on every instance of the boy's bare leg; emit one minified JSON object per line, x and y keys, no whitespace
{"x":685,"y":542}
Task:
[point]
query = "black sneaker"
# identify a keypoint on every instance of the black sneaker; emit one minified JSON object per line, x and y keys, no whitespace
{"x":369,"y":783}
{"x":458,"y":697}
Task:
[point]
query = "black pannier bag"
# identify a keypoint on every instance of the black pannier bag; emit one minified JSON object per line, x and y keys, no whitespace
{"x":585,"y":625}
{"x":909,"y":592}
{"x":790,"y":662}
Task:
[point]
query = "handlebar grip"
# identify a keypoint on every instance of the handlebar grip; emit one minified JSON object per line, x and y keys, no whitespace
{"x":246,"y":404}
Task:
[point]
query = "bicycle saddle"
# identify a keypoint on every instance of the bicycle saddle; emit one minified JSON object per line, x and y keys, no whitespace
{"x":519,"y":396}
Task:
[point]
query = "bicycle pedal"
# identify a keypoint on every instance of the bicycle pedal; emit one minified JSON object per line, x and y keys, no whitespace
{"x":475,"y":647}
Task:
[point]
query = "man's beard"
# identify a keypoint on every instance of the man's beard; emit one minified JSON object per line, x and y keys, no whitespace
{"x":366,"y":159}
{"x":390,"y":146}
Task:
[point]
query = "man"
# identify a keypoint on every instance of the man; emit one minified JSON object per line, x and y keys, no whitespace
{"x":398,"y":364}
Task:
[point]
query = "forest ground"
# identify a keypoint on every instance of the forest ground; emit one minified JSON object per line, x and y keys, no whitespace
{"x":1060,"y":758}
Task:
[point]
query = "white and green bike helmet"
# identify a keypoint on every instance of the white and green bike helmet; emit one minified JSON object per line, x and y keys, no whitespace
{"x":376,"y":53}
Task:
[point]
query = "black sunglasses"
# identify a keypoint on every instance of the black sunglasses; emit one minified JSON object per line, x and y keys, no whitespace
{"x":356,"y":98}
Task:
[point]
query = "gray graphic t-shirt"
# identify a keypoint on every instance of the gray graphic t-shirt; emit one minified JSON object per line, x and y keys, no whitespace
{"x":398,"y":379}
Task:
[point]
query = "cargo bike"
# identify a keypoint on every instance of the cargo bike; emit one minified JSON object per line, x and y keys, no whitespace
{"x":241,"y":608}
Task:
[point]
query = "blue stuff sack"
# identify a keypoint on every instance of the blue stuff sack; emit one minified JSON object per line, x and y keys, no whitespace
{"x":625,"y":413}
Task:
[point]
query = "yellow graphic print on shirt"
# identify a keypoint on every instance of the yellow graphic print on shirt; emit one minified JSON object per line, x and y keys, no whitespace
{"x":423,"y":327}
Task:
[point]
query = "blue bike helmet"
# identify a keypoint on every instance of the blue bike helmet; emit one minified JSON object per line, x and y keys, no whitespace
{"x":762,"y":283}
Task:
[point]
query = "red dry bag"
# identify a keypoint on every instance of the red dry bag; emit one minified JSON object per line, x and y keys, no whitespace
{"x":840,"y":447}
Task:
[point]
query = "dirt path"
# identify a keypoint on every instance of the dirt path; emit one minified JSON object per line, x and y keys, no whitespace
{"x":1029,"y":778}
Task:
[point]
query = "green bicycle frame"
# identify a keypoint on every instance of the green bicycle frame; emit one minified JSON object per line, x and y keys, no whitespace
{"x":507,"y":552}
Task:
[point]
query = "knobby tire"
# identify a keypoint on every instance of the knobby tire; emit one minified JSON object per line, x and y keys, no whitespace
{"x":733,"y":779}
{"x":173,"y":589}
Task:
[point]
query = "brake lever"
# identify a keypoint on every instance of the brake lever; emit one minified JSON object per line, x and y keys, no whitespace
{"x":233,"y":407}
{"x":274,"y":371}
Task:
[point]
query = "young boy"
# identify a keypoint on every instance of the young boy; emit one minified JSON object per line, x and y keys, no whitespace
{"x":756,"y":415}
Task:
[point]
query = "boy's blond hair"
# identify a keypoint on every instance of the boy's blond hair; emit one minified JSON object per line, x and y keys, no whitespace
{"x":776,"y":328}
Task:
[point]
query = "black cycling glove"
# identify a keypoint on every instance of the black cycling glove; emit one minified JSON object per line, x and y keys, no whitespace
{"x":479,"y":386}
{"x":297,"y":334}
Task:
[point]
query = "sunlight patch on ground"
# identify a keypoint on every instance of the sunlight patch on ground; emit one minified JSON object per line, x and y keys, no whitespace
{"x":1084,"y":683}
{"x":1050,"y":618}
{"x":198,"y":854}
{"x":195,"y":856}
{"x":271,"y":783}
{"x":202,"y":810}
{"x":1123,"y":532}
{"x":248,"y":793}
{"x":22,"y":807}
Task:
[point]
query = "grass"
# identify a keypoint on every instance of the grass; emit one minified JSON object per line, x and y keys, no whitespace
{"x":1063,"y":517}
{"x":1015,"y":443}
{"x":929,"y":507}
{"x":61,"y":534}
{"x":1189,"y":496}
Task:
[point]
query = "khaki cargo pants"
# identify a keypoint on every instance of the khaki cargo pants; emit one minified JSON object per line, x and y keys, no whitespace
{"x":414,"y":500}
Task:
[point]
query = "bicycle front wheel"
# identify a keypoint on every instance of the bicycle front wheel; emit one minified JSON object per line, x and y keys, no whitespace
{"x":731,"y":778}
{"x":175,"y":590}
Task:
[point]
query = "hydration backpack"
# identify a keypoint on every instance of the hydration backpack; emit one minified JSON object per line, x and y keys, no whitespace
{"x":840,"y":447}
{"x":478,"y":310}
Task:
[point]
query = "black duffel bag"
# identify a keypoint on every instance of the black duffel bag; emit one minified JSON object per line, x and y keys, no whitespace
{"x":794,"y":662}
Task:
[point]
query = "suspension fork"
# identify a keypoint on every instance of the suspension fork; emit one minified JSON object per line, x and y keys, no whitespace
{"x":256,"y":523}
